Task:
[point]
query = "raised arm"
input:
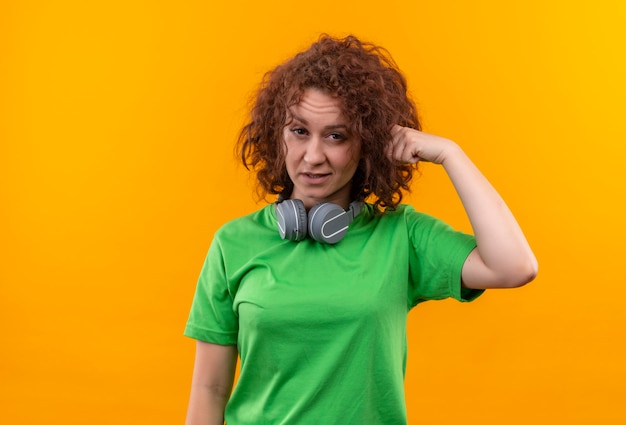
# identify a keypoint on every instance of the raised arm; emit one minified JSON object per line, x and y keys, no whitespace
{"x":502,"y":258}
{"x":212,"y":381}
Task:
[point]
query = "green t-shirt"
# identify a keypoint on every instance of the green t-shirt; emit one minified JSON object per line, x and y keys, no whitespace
{"x":321,"y":329}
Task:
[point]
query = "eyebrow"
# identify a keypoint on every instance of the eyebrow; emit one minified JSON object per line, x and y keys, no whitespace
{"x":328,"y":127}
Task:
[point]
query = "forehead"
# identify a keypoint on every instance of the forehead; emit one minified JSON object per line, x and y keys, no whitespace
{"x":316,"y":104}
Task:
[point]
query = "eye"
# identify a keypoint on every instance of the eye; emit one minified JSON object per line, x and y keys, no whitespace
{"x":337,"y":137}
{"x":299,"y":131}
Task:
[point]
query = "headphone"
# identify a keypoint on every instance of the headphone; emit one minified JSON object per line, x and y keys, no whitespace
{"x":327,"y":222}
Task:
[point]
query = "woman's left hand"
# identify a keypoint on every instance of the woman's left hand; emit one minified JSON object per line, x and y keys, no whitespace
{"x":409,"y":146}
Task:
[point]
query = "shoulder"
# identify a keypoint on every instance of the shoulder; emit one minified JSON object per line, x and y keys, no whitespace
{"x":403,"y":220}
{"x":414,"y":217}
{"x":249,"y":227}
{"x":417,"y":224}
{"x":405,"y":213}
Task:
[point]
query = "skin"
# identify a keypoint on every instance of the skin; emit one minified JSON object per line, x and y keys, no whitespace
{"x":212,"y":381}
{"x":502,"y":258}
{"x":321,"y":158}
{"x":321,"y":155}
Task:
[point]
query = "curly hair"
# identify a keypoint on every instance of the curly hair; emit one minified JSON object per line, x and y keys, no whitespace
{"x":373,"y":96}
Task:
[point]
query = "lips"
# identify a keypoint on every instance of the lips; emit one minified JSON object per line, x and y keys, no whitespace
{"x":315,"y":177}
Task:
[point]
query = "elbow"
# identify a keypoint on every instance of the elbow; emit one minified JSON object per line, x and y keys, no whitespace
{"x":219,"y":392}
{"x":510,"y":271}
{"x":524,"y":273}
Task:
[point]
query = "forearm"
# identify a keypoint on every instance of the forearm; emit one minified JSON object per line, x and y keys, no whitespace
{"x":501,"y":244}
{"x":212,"y":382}
{"x":206,"y":406}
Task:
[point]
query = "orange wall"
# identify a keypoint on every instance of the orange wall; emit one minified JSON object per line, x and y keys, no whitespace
{"x":117,"y":121}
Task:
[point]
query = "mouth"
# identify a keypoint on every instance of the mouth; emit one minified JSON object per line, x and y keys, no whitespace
{"x":315,"y":177}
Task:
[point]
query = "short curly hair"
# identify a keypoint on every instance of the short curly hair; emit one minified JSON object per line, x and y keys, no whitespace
{"x":373,"y":96}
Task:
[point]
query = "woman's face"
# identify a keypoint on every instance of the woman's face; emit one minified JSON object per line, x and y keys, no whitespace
{"x":321,"y":154}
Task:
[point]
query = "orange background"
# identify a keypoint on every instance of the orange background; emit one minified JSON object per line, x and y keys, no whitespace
{"x":117,"y":121}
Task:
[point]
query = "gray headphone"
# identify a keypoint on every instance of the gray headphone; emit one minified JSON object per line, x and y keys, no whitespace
{"x":327,"y":222}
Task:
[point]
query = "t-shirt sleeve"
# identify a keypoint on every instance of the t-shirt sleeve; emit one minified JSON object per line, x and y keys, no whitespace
{"x":212,"y":318}
{"x":437,"y":255}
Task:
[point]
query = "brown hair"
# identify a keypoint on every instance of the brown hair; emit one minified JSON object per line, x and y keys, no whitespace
{"x":373,"y":95}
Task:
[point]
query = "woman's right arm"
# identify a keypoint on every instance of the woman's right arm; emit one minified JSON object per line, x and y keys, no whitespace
{"x":213,"y":375}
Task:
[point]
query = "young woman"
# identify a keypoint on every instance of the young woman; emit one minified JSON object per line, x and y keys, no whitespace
{"x":313,"y":291}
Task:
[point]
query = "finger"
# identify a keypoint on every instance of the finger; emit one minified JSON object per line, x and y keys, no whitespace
{"x":389,"y":149}
{"x":392,"y":146}
{"x":405,"y":147}
{"x":399,"y":146}
{"x":407,"y":154}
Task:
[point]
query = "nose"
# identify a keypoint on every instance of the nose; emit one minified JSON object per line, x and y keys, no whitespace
{"x":314,"y":153}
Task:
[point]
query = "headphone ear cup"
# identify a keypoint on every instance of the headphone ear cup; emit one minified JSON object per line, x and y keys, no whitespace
{"x":291,"y":219}
{"x":328,"y":223}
